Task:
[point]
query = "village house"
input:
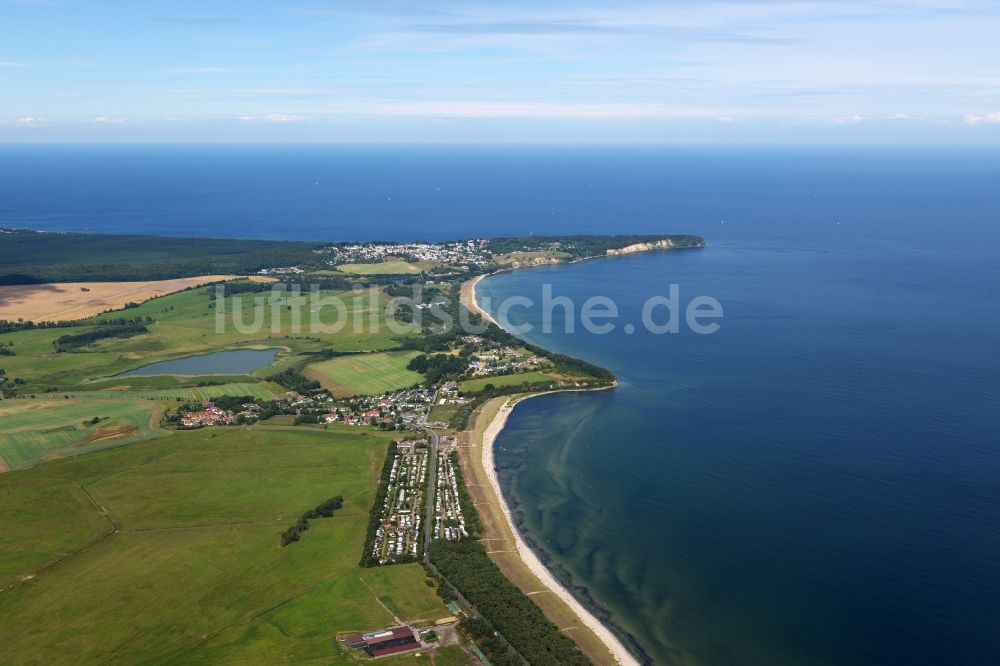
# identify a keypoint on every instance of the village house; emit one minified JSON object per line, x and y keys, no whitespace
{"x":209,"y":415}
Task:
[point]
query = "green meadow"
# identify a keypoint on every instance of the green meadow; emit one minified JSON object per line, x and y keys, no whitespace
{"x":388,"y":267}
{"x":186,"y":324}
{"x":264,"y":391}
{"x":367,"y":374}
{"x":442,"y":413}
{"x":148,"y":382}
{"x":167,"y":552}
{"x":475,"y":385}
{"x":31,"y":430}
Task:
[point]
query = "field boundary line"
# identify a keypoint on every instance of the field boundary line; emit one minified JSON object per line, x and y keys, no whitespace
{"x":378,"y":600}
{"x":90,"y":544}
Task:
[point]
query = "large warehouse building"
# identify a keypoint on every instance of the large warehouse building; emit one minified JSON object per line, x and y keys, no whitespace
{"x":385,"y":641}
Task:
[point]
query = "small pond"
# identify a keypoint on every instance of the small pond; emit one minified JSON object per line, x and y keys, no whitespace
{"x":235,"y":362}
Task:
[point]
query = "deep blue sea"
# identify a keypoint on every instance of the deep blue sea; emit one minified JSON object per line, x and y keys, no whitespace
{"x":816,"y":483}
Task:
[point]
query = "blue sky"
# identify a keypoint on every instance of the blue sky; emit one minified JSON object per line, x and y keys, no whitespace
{"x":875,"y":71}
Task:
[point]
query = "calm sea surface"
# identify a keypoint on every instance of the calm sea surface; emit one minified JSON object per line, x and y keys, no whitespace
{"x":816,"y":483}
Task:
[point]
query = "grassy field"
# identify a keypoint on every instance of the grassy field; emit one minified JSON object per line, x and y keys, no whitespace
{"x":389,"y":267}
{"x":186,"y":323}
{"x":264,"y":391}
{"x":451,"y":656}
{"x":31,"y":430}
{"x":474,"y":385}
{"x":145,"y":382}
{"x":167,"y":552}
{"x":365,"y":374}
{"x":442,"y":413}
{"x":529,"y":257}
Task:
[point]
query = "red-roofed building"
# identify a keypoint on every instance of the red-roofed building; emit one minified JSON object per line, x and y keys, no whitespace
{"x":385,"y":641}
{"x":381,"y":652}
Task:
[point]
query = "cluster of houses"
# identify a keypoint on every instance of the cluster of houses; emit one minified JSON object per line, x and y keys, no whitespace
{"x":285,"y":270}
{"x":502,"y":361}
{"x":398,"y":535}
{"x":454,"y":253}
{"x":211,"y":415}
{"x":447,"y":394}
{"x":459,"y":252}
{"x":394,"y":410}
{"x":293,"y":401}
{"x":398,"y":408}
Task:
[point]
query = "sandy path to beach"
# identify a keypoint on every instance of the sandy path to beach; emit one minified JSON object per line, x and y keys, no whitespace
{"x":508,"y":549}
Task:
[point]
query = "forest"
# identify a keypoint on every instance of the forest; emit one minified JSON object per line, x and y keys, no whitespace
{"x":71,"y":342}
{"x":31,"y":257}
{"x":467,"y":566}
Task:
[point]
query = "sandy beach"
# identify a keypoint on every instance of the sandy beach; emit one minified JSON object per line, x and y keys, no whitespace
{"x":467,"y":297}
{"x":617,"y":651}
{"x":505,"y":543}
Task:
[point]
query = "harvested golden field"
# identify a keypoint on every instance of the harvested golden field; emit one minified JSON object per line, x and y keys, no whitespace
{"x":76,"y":300}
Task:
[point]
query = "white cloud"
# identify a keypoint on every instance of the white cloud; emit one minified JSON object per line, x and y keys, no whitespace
{"x":105,"y":120}
{"x":6,"y":64}
{"x":29,"y":121}
{"x":273,"y":118}
{"x":988,"y":118}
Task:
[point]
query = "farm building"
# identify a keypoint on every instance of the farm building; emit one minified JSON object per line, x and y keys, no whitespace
{"x":384,"y":642}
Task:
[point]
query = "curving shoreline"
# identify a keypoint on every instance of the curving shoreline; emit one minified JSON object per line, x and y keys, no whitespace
{"x":485,"y":461}
{"x":467,"y":292}
{"x":618,"y":653}
{"x":467,"y":297}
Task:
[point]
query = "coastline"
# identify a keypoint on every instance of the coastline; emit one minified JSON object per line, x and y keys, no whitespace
{"x":484,"y":459}
{"x":467,"y":297}
{"x":467,"y":292}
{"x":618,"y":652}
